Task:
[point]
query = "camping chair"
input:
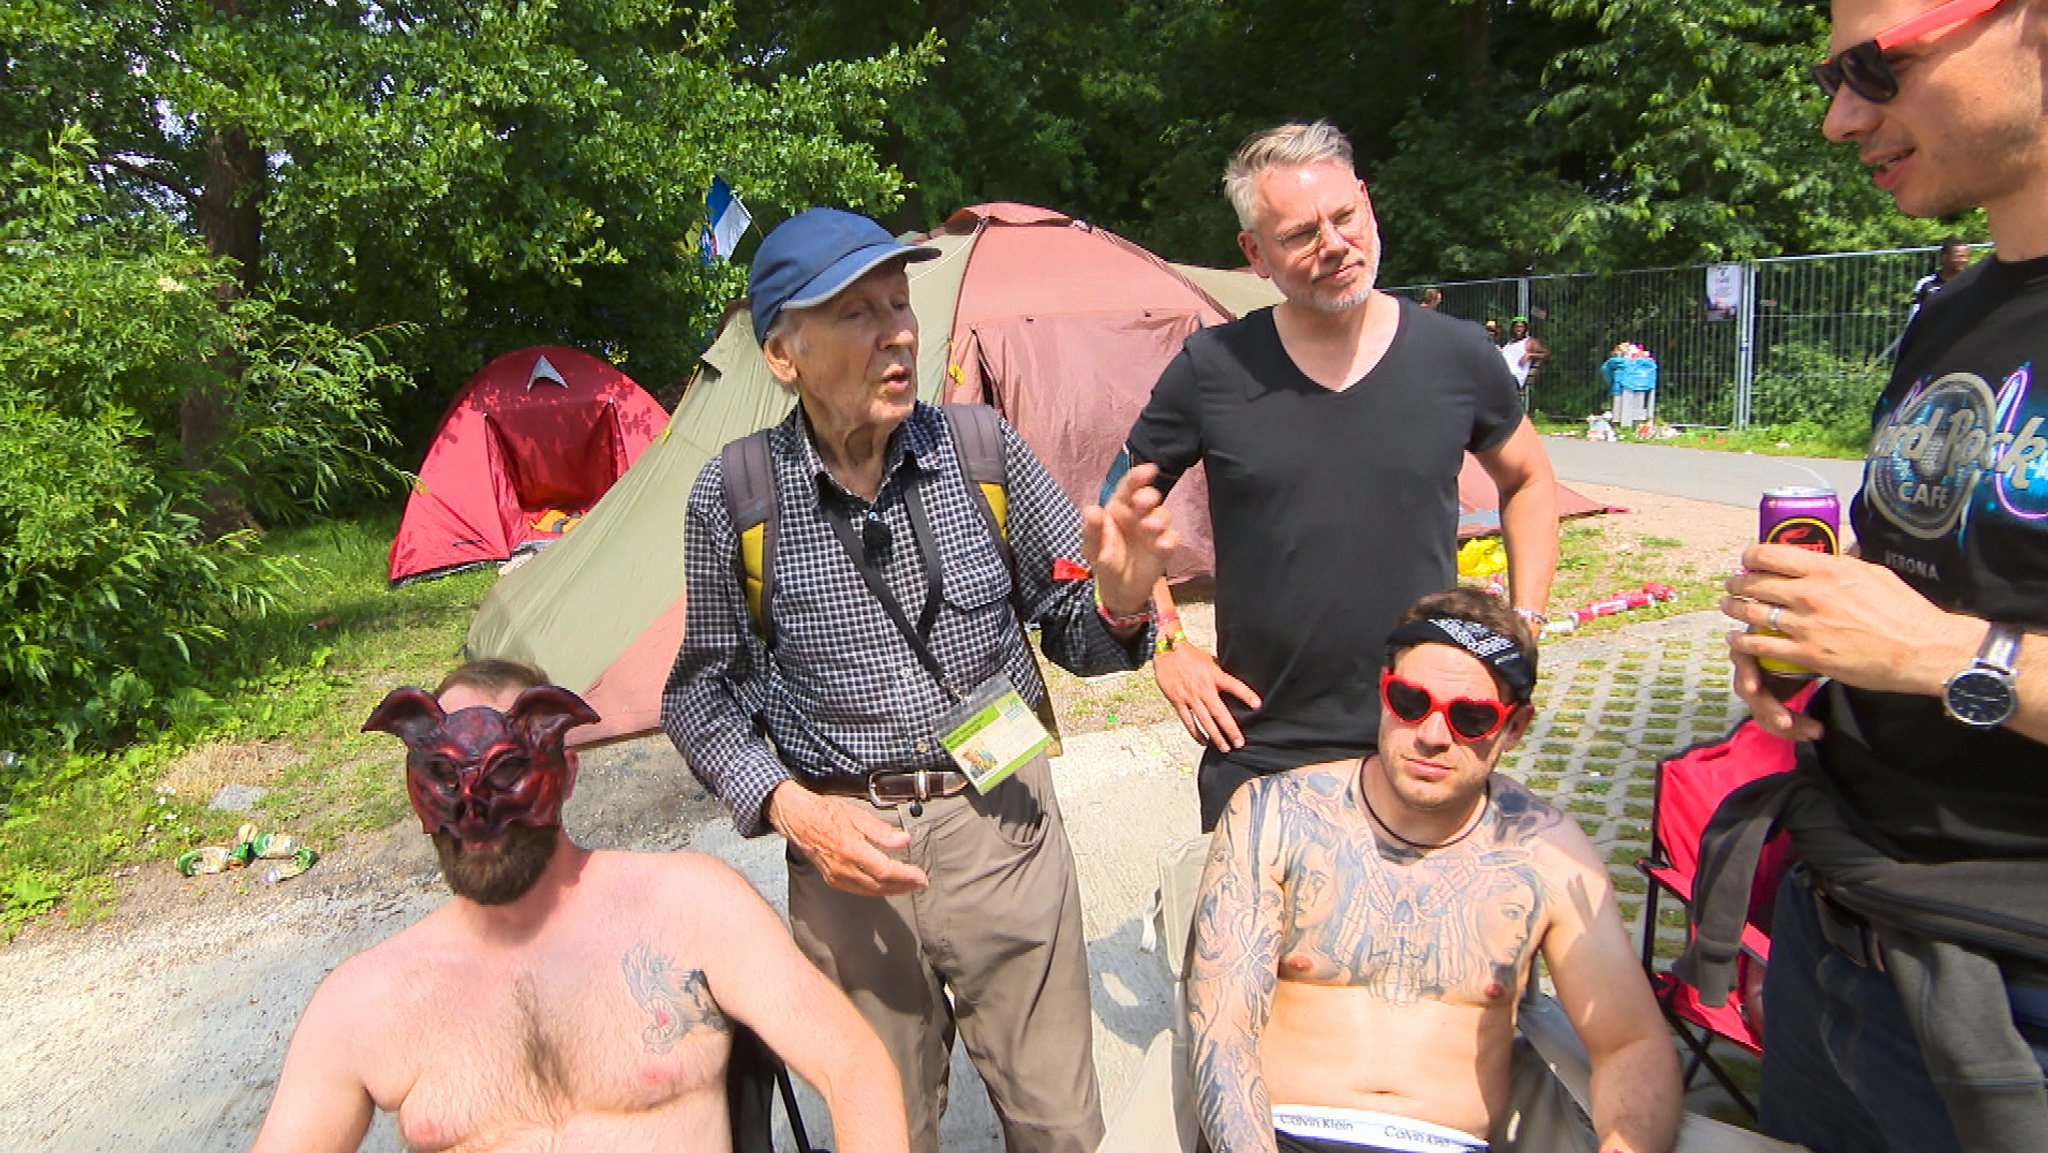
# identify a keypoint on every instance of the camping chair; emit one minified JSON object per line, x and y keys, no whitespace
{"x":752,"y":1076}
{"x":1689,"y":788}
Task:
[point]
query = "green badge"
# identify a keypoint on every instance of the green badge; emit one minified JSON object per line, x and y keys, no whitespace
{"x":992,"y":734}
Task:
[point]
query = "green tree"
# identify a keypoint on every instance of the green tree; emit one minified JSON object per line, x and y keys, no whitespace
{"x":499,"y":172}
{"x":112,"y":588}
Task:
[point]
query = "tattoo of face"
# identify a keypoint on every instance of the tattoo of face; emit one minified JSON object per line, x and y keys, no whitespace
{"x":1456,"y":923}
{"x":680,"y":1003}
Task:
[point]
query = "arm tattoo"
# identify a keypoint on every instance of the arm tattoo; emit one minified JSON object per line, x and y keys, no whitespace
{"x":1230,"y":987}
{"x":679,"y":1002}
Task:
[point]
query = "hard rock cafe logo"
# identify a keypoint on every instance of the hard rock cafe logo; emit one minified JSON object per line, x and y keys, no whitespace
{"x":1947,"y":438}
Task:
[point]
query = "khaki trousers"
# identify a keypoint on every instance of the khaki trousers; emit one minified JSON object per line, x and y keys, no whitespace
{"x":993,"y":947}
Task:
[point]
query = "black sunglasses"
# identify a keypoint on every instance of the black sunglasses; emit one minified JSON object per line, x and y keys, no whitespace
{"x":1864,"y":68}
{"x":1470,"y":718}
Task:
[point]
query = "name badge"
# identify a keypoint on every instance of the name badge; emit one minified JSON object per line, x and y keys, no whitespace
{"x":992,"y":734}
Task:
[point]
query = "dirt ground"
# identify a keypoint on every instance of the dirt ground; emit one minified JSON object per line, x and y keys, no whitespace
{"x":132,"y":1002}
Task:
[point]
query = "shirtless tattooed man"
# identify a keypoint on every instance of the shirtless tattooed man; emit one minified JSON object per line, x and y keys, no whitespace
{"x":1366,"y":927}
{"x":564,"y":999}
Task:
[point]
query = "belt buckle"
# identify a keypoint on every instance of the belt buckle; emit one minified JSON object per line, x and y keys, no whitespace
{"x":922,"y":791}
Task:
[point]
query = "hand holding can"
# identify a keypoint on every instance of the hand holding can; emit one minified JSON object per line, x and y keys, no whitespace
{"x":1803,"y":517}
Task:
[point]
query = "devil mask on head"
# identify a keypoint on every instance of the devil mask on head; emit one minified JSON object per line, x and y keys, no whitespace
{"x":475,"y":772}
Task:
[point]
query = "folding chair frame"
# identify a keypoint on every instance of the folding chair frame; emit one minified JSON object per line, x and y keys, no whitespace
{"x":754,"y":1074}
{"x":1661,"y":873}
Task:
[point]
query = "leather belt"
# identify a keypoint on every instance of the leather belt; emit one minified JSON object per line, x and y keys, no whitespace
{"x":1851,"y":935}
{"x":888,"y":788}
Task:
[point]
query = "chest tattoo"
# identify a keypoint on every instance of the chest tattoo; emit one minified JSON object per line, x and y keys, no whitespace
{"x":1454,"y":923}
{"x":677,"y":1001}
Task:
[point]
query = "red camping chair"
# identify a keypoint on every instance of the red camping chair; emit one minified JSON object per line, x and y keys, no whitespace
{"x":1690,"y":787}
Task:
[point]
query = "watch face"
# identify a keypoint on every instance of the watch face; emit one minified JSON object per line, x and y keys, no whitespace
{"x":1978,"y":697}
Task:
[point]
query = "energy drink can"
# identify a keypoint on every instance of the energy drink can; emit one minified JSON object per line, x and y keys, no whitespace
{"x":1809,"y":518}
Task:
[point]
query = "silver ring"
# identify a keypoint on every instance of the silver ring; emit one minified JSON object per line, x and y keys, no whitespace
{"x":1771,"y":618}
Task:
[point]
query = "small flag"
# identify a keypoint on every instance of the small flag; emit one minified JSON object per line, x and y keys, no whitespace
{"x":729,"y":221}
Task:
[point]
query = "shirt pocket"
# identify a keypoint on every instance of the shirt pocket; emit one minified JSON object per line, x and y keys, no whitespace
{"x":977,"y":623}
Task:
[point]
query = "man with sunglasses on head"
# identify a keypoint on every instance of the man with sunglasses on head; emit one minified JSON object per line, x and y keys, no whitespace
{"x":1332,"y":428}
{"x":1906,"y":1001}
{"x":1367,"y":926}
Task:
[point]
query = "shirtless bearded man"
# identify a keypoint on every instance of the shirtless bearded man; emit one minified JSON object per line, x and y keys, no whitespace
{"x":1366,"y":926}
{"x":564,"y":998}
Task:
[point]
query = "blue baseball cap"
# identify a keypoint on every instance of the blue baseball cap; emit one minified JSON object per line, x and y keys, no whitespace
{"x":815,"y":254}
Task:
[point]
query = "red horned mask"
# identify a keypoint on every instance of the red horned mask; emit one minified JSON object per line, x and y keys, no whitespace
{"x":475,"y":772}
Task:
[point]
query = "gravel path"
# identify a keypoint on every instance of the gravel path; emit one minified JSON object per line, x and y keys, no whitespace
{"x":166,"y":1033}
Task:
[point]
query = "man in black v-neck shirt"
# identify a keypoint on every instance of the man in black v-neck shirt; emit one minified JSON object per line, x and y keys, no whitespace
{"x":1333,"y":427}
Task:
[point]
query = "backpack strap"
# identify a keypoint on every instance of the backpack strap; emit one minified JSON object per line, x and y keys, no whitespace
{"x":749,"y":476}
{"x":978,"y":442}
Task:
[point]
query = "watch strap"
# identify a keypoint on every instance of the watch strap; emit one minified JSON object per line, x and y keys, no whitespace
{"x":2001,"y":649}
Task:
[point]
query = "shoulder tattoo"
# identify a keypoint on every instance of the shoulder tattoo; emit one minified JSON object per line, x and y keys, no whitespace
{"x":678,"y":1001}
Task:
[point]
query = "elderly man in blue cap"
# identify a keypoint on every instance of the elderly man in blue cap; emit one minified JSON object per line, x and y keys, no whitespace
{"x":875,"y":702}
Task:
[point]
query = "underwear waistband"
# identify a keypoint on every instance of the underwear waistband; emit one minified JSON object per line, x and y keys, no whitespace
{"x":1373,"y":1130}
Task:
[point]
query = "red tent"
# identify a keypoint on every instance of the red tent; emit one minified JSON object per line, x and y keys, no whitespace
{"x":538,"y":435}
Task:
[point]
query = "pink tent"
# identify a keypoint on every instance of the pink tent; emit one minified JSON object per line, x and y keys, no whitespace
{"x":1063,"y":329}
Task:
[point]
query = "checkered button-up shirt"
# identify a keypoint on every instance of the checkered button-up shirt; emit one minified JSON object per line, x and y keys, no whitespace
{"x":842,"y":692}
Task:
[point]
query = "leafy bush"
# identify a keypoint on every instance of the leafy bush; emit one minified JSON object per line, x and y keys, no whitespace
{"x":110,"y":591}
{"x":1805,"y":385}
{"x":112,"y":320}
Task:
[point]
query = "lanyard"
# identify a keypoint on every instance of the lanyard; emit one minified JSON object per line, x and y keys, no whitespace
{"x":871,"y":574}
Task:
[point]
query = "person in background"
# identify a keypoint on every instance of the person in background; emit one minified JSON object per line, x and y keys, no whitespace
{"x":1523,"y":353}
{"x":1949,"y":262}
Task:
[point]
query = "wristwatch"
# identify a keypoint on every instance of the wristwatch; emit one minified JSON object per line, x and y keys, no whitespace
{"x":1983,"y":696}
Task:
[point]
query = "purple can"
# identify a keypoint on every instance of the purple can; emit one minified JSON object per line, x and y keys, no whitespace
{"x":1803,"y":517}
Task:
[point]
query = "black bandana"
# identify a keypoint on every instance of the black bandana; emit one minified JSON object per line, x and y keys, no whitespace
{"x":1499,"y":653}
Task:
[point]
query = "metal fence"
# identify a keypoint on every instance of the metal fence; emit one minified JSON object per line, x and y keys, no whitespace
{"x":1801,"y":338}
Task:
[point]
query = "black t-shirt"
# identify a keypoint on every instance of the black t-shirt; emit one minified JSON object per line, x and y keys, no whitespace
{"x":1955,"y":501}
{"x":1332,"y":511}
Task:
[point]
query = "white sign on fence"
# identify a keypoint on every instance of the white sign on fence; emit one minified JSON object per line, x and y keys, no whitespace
{"x":1724,"y":291}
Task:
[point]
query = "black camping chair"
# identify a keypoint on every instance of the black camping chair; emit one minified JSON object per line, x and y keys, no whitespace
{"x":752,"y":1077}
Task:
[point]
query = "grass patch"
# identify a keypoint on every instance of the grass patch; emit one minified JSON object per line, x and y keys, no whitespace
{"x":299,"y":679}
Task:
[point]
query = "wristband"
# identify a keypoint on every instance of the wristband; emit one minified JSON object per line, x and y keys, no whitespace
{"x":1120,"y":621}
{"x":1169,"y":636}
{"x":1533,"y":616}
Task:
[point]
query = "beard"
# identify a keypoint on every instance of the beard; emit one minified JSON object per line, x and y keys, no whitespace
{"x":1309,"y":296}
{"x":501,"y":872}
